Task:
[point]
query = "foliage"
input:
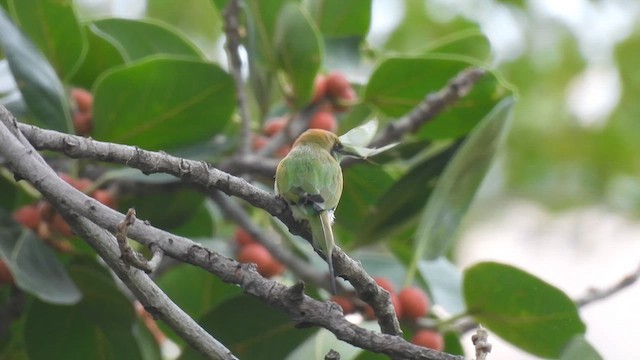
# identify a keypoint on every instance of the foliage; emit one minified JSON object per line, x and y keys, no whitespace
{"x":156,"y":88}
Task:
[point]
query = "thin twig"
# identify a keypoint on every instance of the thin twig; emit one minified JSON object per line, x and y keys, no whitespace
{"x":232,"y":31}
{"x":594,"y":295}
{"x":481,"y":343}
{"x":127,"y":254}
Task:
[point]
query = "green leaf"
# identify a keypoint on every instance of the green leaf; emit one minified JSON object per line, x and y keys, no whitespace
{"x":337,"y":18}
{"x":253,"y":335}
{"x":98,"y":327}
{"x":140,"y":38}
{"x":37,"y":80}
{"x":195,"y":290}
{"x":54,"y":28}
{"x":521,"y":308}
{"x":167,"y":208}
{"x":458,"y":184}
{"x":34,"y":266}
{"x":471,"y":43}
{"x":319,"y":344}
{"x":299,"y":56}
{"x":146,"y":102}
{"x":579,"y":349}
{"x":262,"y":20}
{"x":101,"y":55}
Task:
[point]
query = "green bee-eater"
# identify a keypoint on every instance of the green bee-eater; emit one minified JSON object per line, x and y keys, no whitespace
{"x":309,"y":178}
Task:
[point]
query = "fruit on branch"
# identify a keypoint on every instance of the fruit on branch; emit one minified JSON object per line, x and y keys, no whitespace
{"x":339,"y":91}
{"x":243,"y":238}
{"x":345,"y":303}
{"x":428,"y":338}
{"x":414,"y":303}
{"x":274,"y":126}
{"x":324,"y":120}
{"x":82,"y":111}
{"x":28,"y":216}
{"x":259,"y":255}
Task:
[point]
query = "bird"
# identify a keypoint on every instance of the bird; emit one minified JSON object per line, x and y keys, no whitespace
{"x":310,"y":180}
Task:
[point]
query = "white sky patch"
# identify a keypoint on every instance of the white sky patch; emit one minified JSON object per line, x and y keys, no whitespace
{"x":385,"y":16}
{"x":593,"y":94}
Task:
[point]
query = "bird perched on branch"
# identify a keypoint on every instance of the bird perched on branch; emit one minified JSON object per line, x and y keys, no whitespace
{"x":309,"y":178}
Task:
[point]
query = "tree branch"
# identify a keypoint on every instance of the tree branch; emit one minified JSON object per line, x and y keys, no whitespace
{"x":210,"y":179}
{"x":232,"y":31}
{"x":25,"y":162}
{"x":594,"y":295}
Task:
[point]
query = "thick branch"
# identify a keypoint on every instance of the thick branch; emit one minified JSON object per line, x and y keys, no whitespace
{"x":305,"y":311}
{"x":210,"y":180}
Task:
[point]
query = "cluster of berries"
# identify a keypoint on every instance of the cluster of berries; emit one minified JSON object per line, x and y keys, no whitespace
{"x":250,"y":251}
{"x":333,"y":94}
{"x":410,"y":304}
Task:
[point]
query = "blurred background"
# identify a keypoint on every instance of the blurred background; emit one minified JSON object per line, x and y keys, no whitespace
{"x":563,"y":199}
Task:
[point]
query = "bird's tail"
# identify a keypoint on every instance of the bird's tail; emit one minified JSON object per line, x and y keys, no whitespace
{"x":326,"y":243}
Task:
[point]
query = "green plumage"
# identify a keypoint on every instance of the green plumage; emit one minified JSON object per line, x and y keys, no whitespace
{"x":309,"y":178}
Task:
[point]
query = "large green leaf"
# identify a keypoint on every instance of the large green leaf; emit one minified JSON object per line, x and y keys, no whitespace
{"x":98,"y":327}
{"x":341,"y":18}
{"x":521,"y":308}
{"x":37,"y":80}
{"x":139,"y":38}
{"x":470,"y":43}
{"x":458,"y":184}
{"x":34,"y":266}
{"x":251,"y":329}
{"x":100,"y":56}
{"x":162,"y":103}
{"x":151,"y":206}
{"x":299,"y":56}
{"x":52,"y":25}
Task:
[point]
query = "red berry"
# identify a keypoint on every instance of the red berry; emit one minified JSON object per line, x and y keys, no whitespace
{"x":274,"y":126}
{"x":83,"y":123}
{"x":345,"y":304}
{"x":5,"y":274}
{"x":28,"y":216}
{"x":83,"y":100}
{"x":337,"y":84}
{"x":323,"y":120}
{"x":259,"y":255}
{"x":243,"y":237}
{"x":259,"y":142}
{"x":82,"y":184}
{"x":414,"y":303}
{"x":342,"y":103}
{"x":105,"y":197}
{"x":60,"y":226}
{"x":429,"y":339}
{"x":368,"y":312}
{"x":320,"y":88}
{"x":283,"y":151}
{"x":385,"y":284}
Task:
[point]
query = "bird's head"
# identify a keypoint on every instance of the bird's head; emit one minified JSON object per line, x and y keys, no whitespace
{"x":323,"y":139}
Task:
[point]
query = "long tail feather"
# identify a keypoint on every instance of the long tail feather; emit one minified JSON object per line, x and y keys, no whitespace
{"x":326,"y":220}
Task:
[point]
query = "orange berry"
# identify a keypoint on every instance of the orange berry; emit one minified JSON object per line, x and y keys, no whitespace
{"x":414,"y":303}
{"x":345,"y":304}
{"x":82,"y":184}
{"x":259,"y":255}
{"x":429,"y":339}
{"x":283,"y":151}
{"x":28,"y":216}
{"x":385,"y":284}
{"x":83,"y":100}
{"x":342,"y":103}
{"x":274,"y":126}
{"x":259,"y":142}
{"x":5,"y":274}
{"x":60,"y":226}
{"x":82,"y":123}
{"x":320,"y":88}
{"x":105,"y":197}
{"x":337,"y":84}
{"x":323,"y":120}
{"x":243,"y":237}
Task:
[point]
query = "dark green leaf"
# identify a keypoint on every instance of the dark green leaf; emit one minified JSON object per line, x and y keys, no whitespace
{"x":579,"y":349}
{"x":147,"y":344}
{"x":254,"y":334}
{"x":144,"y":104}
{"x":34,"y":266}
{"x":37,"y":80}
{"x":166,"y":208}
{"x":338,"y":18}
{"x":140,"y":38}
{"x":98,"y":327}
{"x":53,"y":27}
{"x":521,"y":308}
{"x":298,"y":56}
{"x":319,"y":344}
{"x":101,"y":55}
{"x":452,"y":344}
{"x":458,"y":184}
{"x":470,"y":43}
